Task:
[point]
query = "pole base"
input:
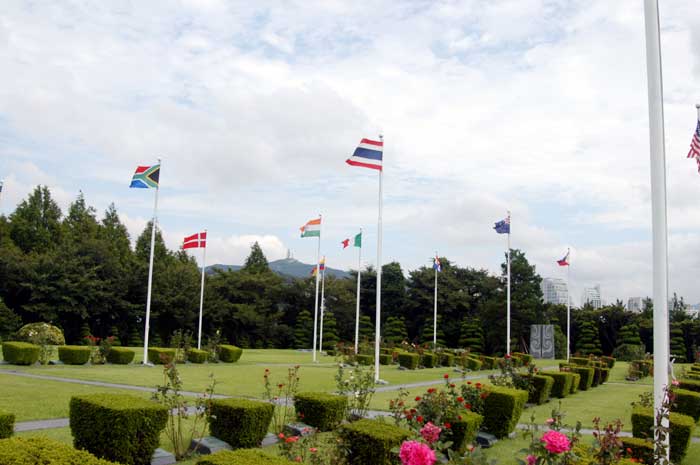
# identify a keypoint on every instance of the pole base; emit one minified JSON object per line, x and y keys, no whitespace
{"x":380,"y":381}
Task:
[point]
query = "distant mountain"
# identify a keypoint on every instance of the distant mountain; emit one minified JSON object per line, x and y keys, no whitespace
{"x":286,"y":267}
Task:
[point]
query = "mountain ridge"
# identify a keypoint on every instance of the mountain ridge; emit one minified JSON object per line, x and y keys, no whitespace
{"x":285,"y":267}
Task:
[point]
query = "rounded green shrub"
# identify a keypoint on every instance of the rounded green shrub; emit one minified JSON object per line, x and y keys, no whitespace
{"x":20,"y":353}
{"x":243,"y":457}
{"x":42,"y":450}
{"x":385,"y":359}
{"x":576,"y":382}
{"x":429,"y":360}
{"x":370,"y":442}
{"x":463,"y":431}
{"x":687,"y":402}
{"x":541,"y":389}
{"x":197,"y":356}
{"x":502,"y":410}
{"x":471,"y":363}
{"x":321,"y":410}
{"x":562,"y":382}
{"x":681,"y":430}
{"x":366,"y":360}
{"x":587,"y":374}
{"x":120,"y":355}
{"x":7,"y":424}
{"x":229,"y":353}
{"x":74,"y":355}
{"x":447,"y":360}
{"x":638,"y":448}
{"x":45,"y":333}
{"x":161,"y":355}
{"x":408,"y":360}
{"x":240,"y":422}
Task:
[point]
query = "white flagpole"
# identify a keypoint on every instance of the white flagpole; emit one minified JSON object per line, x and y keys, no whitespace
{"x":568,"y":309}
{"x":357,"y":300}
{"x":323,"y":304}
{"x":378,"y":315}
{"x":508,"y":292}
{"x":318,"y":257}
{"x":659,"y":220}
{"x":154,"y":225}
{"x":201,"y":293}
{"x":435,"y":307}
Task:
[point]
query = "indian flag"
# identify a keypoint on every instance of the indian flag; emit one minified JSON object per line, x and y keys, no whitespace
{"x":312,"y":228}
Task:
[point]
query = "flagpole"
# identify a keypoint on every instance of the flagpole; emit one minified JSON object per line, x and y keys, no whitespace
{"x":659,"y":221}
{"x":378,"y":311}
{"x":323,"y":304}
{"x":357,"y":300}
{"x":435,"y":307}
{"x":318,"y":257}
{"x":568,"y":311}
{"x":201,"y":292}
{"x":508,"y":292}
{"x":154,"y":224}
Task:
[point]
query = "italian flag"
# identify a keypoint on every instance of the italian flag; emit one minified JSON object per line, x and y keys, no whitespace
{"x":312,"y":228}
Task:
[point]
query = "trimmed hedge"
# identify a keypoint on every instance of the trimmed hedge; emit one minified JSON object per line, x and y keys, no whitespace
{"x":197,"y":356}
{"x":681,"y":430}
{"x":502,"y":410}
{"x":322,"y":410}
{"x":7,"y":424}
{"x":367,"y":360}
{"x":242,"y":457}
{"x":240,"y":422}
{"x":562,"y":382}
{"x":229,"y":353}
{"x":463,"y":431}
{"x":385,"y":359}
{"x":580,"y":361}
{"x":429,"y":360}
{"x":118,"y":427}
{"x":472,"y":363}
{"x":447,"y":360}
{"x":609,"y":361}
{"x":687,"y":402}
{"x":20,"y":353}
{"x":408,"y":360}
{"x":541,"y":389}
{"x":576,"y":382}
{"x":587,"y":374}
{"x":641,"y":449}
{"x":161,"y":355}
{"x":488,"y":363}
{"x":74,"y":355}
{"x":689,"y":384}
{"x":369,"y":442}
{"x":42,"y":450}
{"x":120,"y":355}
{"x":526,"y":358}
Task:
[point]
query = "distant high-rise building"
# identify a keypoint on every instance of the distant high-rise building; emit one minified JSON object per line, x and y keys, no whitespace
{"x":554,"y":291}
{"x":591,"y":296}
{"x":635,"y":304}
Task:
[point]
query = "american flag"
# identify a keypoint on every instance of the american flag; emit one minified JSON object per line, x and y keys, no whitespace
{"x":695,"y":146}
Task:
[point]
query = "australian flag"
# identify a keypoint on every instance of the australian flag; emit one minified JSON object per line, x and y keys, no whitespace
{"x":503,"y":226}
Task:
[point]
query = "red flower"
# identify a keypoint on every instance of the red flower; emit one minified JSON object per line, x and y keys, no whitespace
{"x":446,"y":376}
{"x":419,"y":419}
{"x":431,"y":390}
{"x":478,"y":385}
{"x":291,"y":439}
{"x":460,"y":399}
{"x":448,"y":426}
{"x":281,"y":435}
{"x":409,"y":417}
{"x":417,"y":398}
{"x":469,"y":382}
{"x":483,"y":395}
{"x":452,"y":385}
{"x":507,"y":356}
{"x":459,"y":417}
{"x":468,"y":406}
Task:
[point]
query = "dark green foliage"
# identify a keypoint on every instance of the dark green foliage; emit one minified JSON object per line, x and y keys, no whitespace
{"x":74,"y":355}
{"x":447,"y":360}
{"x":472,"y":335}
{"x":9,"y":321}
{"x":488,"y":363}
{"x":395,"y":330}
{"x":641,"y":449}
{"x":229,"y":354}
{"x":463,"y":432}
{"x":256,"y":261}
{"x":7,"y":424}
{"x":681,"y":430}
{"x":687,"y":403}
{"x":366,"y":360}
{"x":526,"y":358}
{"x":242,"y":457}
{"x":502,"y":410}
{"x":629,"y":334}
{"x":576,"y":382}
{"x":541,"y":389}
{"x":628,"y":353}
{"x":588,"y":341}
{"x":120,"y":356}
{"x":240,"y":422}
{"x":330,"y":331}
{"x":471,"y":362}
{"x":20,"y":353}
{"x":689,"y":384}
{"x":42,"y":450}
{"x":429,"y":360}
{"x":160,"y":355}
{"x":303,"y":330}
{"x":197,"y":356}
{"x":429,"y":332}
{"x":321,"y":410}
{"x":580,"y":361}
{"x":385,"y":359}
{"x":48,"y":334}
{"x":678,"y":349}
{"x":408,"y":360}
{"x":562,"y":382}
{"x":587,"y":374}
{"x":369,"y":442}
{"x":366,"y":326}
{"x":609,"y":361}
{"x":118,"y":427}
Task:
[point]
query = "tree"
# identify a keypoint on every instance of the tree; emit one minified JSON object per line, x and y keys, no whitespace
{"x":472,"y":335}
{"x":588,"y":342}
{"x":36,"y":222}
{"x":303,"y":331}
{"x":256,"y":261}
{"x":9,"y":322}
{"x":678,"y":349}
{"x":366,"y":328}
{"x":629,"y":334}
{"x":429,"y":331}
{"x":330,"y":334}
{"x":395,"y":330}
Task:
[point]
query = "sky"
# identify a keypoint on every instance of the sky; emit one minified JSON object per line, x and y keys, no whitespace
{"x":534,"y":106}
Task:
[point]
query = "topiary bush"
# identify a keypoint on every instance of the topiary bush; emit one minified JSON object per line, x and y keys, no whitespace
{"x":526,"y":358}
{"x":502,"y":410}
{"x":120,"y":355}
{"x":575,"y":382}
{"x":408,"y":360}
{"x":681,"y":430}
{"x":562,"y":382}
{"x":42,"y":450}
{"x":609,"y":361}
{"x":321,"y":410}
{"x":369,"y":442}
{"x":488,"y":363}
{"x":385,"y":359}
{"x":118,"y":427}
{"x":587,"y":374}
{"x":7,"y":424}
{"x":41,"y":333}
{"x":74,"y":355}
{"x":161,"y":355}
{"x":197,"y":356}
{"x":240,"y":422}
{"x":429,"y":360}
{"x":541,"y":389}
{"x":20,"y":353}
{"x":242,"y":457}
{"x":447,"y":360}
{"x":463,"y":431}
{"x":689,"y":384}
{"x":580,"y":361}
{"x":365,"y":360}
{"x":687,"y":402}
{"x":229,"y":354}
{"x":638,"y":448}
{"x":472,"y":363}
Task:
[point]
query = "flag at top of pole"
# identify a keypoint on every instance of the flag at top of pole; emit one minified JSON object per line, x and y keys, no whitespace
{"x":146,"y":177}
{"x":195,"y":241}
{"x":503,"y":226}
{"x":312,"y":228}
{"x":565,"y":260}
{"x":695,"y":143}
{"x":368,"y":154}
{"x":436,"y":264}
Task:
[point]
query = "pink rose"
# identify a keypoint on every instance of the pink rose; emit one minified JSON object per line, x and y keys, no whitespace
{"x":531,"y":460}
{"x":556,"y":442}
{"x":416,"y":453}
{"x":430,"y":432}
{"x":549,"y":421}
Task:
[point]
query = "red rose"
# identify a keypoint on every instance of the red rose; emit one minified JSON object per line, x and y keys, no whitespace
{"x":448,"y":426}
{"x":417,"y":398}
{"x":446,"y":376}
{"x":468,"y":406}
{"x":419,"y":419}
{"x":460,"y":399}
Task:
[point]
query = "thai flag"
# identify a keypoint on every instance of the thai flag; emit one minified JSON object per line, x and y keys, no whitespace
{"x":368,"y":155}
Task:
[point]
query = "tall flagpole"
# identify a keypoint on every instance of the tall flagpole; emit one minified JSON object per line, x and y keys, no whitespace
{"x":357,"y":300}
{"x":508,"y":292}
{"x":318,"y":257}
{"x":201,"y":292}
{"x":154,"y":225}
{"x":323,"y":303}
{"x":659,"y":221}
{"x":435,"y":307}
{"x":378,"y":316}
{"x":568,"y":310}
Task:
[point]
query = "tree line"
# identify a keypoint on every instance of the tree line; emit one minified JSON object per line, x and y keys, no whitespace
{"x":83,"y":274}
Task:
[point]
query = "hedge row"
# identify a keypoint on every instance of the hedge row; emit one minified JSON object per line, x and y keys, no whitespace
{"x":463,"y":432}
{"x":240,"y":422}
{"x":120,"y":355}
{"x":7,"y":424}
{"x":20,"y":353}
{"x":197,"y":356}
{"x":321,"y":410}
{"x":161,"y":355}
{"x":541,"y":389}
{"x":242,"y":457}
{"x":502,"y":410}
{"x":229,"y":354}
{"x":408,"y":360}
{"x":681,"y":430}
{"x":74,"y":355}
{"x":371,"y":441}
{"x":42,"y":450}
{"x":562,"y":382}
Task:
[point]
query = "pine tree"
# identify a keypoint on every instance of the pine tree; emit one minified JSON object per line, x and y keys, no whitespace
{"x":303,"y":330}
{"x":256,"y":261}
{"x":629,"y":334}
{"x":427,"y":334}
{"x":366,"y":328}
{"x":330,"y":331}
{"x":9,"y":322}
{"x":678,"y":349}
{"x":472,"y":335}
{"x":395,"y":330}
{"x":135,"y":338}
{"x":588,"y":342}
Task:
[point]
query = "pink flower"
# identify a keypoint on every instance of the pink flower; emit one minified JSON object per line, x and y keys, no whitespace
{"x":430,"y":432}
{"x":556,"y":442}
{"x":549,"y":421}
{"x":416,"y":453}
{"x":531,"y":460}
{"x":675,"y":382}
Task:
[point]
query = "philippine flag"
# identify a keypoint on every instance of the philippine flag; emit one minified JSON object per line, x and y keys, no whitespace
{"x":564,"y":261}
{"x":368,"y":155}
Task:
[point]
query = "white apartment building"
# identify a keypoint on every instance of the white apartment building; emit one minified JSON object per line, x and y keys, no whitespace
{"x":554,"y":291}
{"x":591,"y":296}
{"x":635,"y":304}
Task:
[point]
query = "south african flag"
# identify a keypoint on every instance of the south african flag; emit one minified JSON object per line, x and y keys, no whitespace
{"x":146,"y":176}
